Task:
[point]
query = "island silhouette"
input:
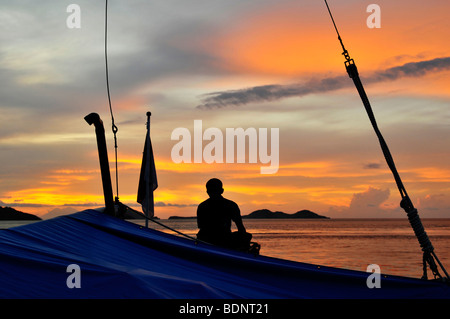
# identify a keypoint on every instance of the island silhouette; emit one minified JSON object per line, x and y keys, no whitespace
{"x":265,"y":213}
{"x":268,"y":214}
{"x":8,"y":213}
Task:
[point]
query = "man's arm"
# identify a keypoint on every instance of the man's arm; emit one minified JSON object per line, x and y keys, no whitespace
{"x":237,"y":218}
{"x":240,"y":225}
{"x":199,"y":216}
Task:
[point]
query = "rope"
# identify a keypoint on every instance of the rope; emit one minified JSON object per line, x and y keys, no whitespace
{"x":115,"y":130}
{"x":254,"y":248}
{"x":353,"y":73}
{"x":405,"y":203}
{"x":123,"y":207}
{"x":428,"y":251}
{"x":114,"y":127}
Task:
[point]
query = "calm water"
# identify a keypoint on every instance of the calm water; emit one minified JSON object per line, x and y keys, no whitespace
{"x":343,"y":243}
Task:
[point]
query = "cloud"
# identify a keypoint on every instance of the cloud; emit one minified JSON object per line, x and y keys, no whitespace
{"x":162,"y":204}
{"x":373,"y":197}
{"x":271,"y":92}
{"x":276,"y":91}
{"x":372,"y":204}
{"x":37,"y":205}
{"x":18,"y":204}
{"x":413,"y":69}
{"x":365,"y":204}
{"x":434,"y":206}
{"x":372,"y":166}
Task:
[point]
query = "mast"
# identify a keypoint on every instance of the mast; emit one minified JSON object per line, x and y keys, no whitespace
{"x":429,"y":256}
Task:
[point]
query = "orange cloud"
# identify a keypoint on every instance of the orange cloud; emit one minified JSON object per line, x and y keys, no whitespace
{"x":52,"y":196}
{"x":275,"y":43}
{"x":244,"y":181}
{"x":295,"y":39}
{"x":435,"y":174}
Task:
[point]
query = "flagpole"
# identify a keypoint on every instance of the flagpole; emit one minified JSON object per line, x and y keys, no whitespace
{"x":147,"y":180}
{"x":147,"y":185}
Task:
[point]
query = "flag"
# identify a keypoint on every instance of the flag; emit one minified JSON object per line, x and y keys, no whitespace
{"x":147,"y":179}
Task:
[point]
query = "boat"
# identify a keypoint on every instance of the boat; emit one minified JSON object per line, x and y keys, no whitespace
{"x":120,"y":259}
{"x":97,"y":254}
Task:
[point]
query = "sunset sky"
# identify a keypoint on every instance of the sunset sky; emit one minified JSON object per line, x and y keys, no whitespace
{"x":230,"y":63}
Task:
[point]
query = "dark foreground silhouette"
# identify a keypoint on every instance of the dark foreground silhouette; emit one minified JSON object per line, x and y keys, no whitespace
{"x":214,"y":217}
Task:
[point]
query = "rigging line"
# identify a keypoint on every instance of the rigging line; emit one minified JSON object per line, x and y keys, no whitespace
{"x":406,"y":202}
{"x":161,"y":224}
{"x":353,"y":73}
{"x":345,"y":52}
{"x":115,"y":129}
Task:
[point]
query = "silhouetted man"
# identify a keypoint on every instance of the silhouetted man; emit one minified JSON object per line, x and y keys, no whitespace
{"x":214,"y":217}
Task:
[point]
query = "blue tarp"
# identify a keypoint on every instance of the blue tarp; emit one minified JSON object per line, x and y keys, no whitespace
{"x":119,"y":259}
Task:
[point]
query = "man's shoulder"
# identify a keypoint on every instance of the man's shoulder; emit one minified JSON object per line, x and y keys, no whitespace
{"x":230,"y":202}
{"x":204,"y":203}
{"x":218,"y":201}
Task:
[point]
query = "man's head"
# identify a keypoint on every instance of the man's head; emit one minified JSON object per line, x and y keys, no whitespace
{"x":214,"y":187}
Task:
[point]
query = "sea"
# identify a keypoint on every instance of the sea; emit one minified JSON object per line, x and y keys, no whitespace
{"x":343,"y":243}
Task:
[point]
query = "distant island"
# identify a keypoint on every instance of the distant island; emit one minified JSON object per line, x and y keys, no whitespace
{"x":183,"y":217}
{"x":8,"y":213}
{"x":265,"y":213}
